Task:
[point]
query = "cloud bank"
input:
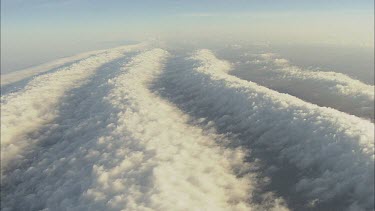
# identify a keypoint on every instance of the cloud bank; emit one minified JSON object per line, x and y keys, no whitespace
{"x":338,"y":147}
{"x":330,"y":89}
{"x":150,"y":130}
{"x":117,"y":145}
{"x":32,"y":71}
{"x":166,"y":164}
{"x":29,"y":109}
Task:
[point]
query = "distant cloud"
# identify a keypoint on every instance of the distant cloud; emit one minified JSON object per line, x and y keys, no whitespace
{"x":331,"y":89}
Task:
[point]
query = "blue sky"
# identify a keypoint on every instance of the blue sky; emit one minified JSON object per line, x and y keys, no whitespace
{"x":150,"y":16}
{"x":66,"y":12}
{"x":39,"y":26}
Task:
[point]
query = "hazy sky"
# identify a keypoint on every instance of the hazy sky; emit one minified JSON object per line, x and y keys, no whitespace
{"x":48,"y":26}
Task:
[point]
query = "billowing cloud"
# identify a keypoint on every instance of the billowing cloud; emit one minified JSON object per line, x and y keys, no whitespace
{"x":29,"y":109}
{"x":149,"y":130}
{"x":122,"y":147}
{"x":330,"y":89}
{"x":338,"y":148}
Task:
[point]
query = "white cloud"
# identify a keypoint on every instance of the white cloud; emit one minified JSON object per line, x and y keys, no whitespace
{"x":131,"y":150}
{"x":337,"y":146}
{"x":176,"y":167}
{"x":100,"y":137}
{"x":329,"y":89}
{"x":37,"y":104}
{"x":29,"y":72}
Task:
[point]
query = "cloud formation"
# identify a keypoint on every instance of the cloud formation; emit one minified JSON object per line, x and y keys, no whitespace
{"x":32,"y":71}
{"x":27,"y":110}
{"x":166,"y":164}
{"x":118,"y":146}
{"x":338,"y":147}
{"x":330,"y":89}
{"x":153,"y":131}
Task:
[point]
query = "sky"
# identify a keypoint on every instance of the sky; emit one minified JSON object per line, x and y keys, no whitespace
{"x":51,"y":27}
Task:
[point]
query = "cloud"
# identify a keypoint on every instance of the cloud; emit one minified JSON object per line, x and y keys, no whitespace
{"x":31,"y":108}
{"x":175,"y":166}
{"x":29,"y":72}
{"x":330,"y":89}
{"x":118,"y":146}
{"x":107,"y":133}
{"x":332,"y":151}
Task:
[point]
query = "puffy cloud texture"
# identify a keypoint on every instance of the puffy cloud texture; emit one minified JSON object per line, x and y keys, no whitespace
{"x":138,"y":128}
{"x":116,"y":145}
{"x":29,"y":109}
{"x":333,"y":151}
{"x":331,"y":89}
